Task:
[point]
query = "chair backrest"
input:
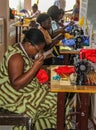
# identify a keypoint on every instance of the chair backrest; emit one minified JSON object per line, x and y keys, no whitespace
{"x":10,"y":118}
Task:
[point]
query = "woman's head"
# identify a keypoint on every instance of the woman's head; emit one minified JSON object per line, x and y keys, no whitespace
{"x":53,"y":12}
{"x":34,"y":40}
{"x":44,"y":20}
{"x":35,"y":8}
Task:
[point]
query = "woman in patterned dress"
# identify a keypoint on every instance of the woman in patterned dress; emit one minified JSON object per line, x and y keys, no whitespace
{"x":20,"y":90}
{"x":76,"y":8}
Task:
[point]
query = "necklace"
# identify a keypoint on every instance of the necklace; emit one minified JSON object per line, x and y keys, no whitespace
{"x":24,"y":51}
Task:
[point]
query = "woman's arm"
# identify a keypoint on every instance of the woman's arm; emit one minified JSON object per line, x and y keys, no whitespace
{"x":55,"y":40}
{"x":17,"y":76}
{"x":58,"y":31}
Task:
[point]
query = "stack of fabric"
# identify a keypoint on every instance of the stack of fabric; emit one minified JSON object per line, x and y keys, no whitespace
{"x":89,"y":54}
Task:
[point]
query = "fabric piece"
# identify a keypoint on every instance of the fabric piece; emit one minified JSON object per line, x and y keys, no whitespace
{"x":89,"y":54}
{"x":86,"y":41}
{"x":68,"y":42}
{"x":42,"y":76}
{"x":68,"y":36}
{"x":81,"y":21}
{"x":69,"y":28}
{"x":64,"y":70}
{"x":65,"y":48}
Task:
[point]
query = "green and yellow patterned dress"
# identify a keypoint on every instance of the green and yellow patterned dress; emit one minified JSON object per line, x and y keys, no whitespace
{"x":34,"y":100}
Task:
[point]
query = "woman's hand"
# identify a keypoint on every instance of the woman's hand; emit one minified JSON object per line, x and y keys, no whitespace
{"x":71,"y":23}
{"x":38,"y":62}
{"x":58,"y":31}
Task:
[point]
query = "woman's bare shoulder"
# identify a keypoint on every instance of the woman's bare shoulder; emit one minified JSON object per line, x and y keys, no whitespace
{"x":16,"y":58}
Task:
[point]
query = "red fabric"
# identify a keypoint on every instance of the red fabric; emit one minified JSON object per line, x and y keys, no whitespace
{"x":89,"y":54}
{"x":75,"y":18}
{"x":64,"y":70}
{"x":42,"y":76}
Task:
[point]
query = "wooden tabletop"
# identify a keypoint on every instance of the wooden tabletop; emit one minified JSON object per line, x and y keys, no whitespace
{"x":72,"y":51}
{"x":69,"y":51}
{"x":18,"y":24}
{"x":66,"y":86}
{"x":76,"y":89}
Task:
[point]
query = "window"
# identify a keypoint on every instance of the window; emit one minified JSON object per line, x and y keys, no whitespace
{"x":69,"y":4}
{"x":43,"y":7}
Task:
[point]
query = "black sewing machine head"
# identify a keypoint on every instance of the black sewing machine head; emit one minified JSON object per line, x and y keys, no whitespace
{"x":78,"y":41}
{"x":76,"y":30}
{"x":82,"y":67}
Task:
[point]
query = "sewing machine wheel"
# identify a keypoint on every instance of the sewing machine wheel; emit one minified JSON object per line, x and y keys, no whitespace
{"x":82,"y":66}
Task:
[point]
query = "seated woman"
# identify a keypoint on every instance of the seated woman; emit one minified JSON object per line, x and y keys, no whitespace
{"x":20,"y":89}
{"x":56,"y":15}
{"x":45,"y":25}
{"x":75,"y":14}
{"x":35,"y":12}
